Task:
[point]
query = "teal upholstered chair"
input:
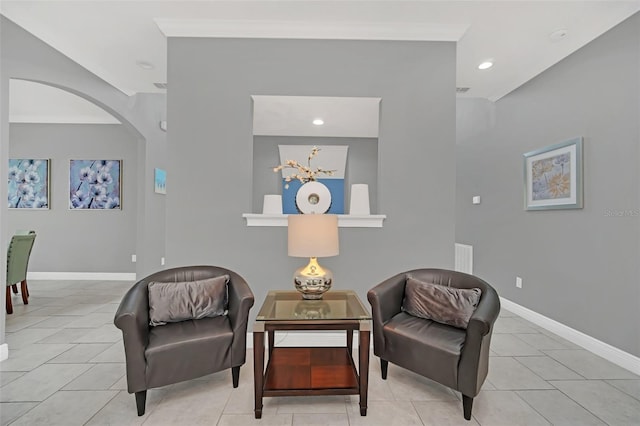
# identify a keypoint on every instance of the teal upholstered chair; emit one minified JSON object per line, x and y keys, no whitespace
{"x":17,"y":264}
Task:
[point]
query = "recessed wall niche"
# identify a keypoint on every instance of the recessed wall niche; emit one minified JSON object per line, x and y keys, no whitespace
{"x":288,"y":120}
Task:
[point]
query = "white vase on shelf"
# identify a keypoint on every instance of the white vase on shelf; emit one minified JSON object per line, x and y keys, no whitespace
{"x":359,"y":199}
{"x":272,"y":204}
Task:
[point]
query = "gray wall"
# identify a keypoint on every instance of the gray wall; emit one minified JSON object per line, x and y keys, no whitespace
{"x":24,"y":56}
{"x":4,"y":165}
{"x":150,"y":235}
{"x":211,"y":150}
{"x":579,"y":267}
{"x":78,"y":240}
{"x":362,"y":165}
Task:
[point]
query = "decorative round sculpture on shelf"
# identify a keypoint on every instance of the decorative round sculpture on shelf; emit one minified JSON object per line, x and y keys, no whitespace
{"x":313,"y":197}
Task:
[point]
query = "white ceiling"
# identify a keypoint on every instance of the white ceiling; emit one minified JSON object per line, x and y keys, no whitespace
{"x":111,"y":37}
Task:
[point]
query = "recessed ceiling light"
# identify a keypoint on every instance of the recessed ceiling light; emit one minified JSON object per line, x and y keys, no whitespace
{"x":558,"y":35}
{"x":145,"y":65}
{"x":485,"y":65}
{"x":318,"y":121}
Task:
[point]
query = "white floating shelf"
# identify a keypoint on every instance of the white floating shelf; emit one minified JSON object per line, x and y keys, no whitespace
{"x":344,"y":220}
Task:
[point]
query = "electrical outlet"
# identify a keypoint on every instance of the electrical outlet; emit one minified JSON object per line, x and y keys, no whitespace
{"x":518,"y":282}
{"x":162,"y":261}
{"x":133,"y":258}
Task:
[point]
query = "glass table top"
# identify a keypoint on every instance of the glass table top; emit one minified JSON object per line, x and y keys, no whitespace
{"x":283,"y":305}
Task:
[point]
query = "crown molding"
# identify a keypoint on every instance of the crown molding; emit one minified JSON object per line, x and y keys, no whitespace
{"x":310,"y":30}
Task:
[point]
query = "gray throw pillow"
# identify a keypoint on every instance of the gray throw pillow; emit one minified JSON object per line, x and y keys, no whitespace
{"x":443,"y":304}
{"x":181,"y":301}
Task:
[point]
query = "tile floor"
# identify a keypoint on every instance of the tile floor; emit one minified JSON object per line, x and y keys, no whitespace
{"x":66,"y":367}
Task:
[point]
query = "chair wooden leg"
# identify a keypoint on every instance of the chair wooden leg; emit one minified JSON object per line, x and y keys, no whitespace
{"x":467,"y":403}
{"x":9,"y":306}
{"x":25,"y":292}
{"x":235,"y":374}
{"x":384,"y":366}
{"x":15,"y":288}
{"x":141,"y":399}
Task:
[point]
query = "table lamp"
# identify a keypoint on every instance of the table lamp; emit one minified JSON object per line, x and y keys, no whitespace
{"x":313,"y":236}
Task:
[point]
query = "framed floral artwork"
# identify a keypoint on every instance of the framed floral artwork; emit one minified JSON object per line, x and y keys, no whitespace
{"x":553,"y":176}
{"x":28,"y":182}
{"x":95,"y":184}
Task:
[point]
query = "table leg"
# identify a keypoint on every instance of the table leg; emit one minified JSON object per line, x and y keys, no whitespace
{"x":363,"y":350}
{"x":258,"y":368}
{"x":350,"y":341}
{"x":271,"y":335}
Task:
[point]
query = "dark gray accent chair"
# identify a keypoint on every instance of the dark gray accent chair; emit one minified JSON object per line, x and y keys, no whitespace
{"x":454,"y":357}
{"x":175,"y":352}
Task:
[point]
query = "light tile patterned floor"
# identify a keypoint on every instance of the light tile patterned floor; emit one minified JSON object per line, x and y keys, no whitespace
{"x":66,"y":367}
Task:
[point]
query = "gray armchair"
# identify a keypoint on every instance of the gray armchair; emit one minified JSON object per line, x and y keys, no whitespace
{"x":454,"y":357}
{"x":171,"y":353}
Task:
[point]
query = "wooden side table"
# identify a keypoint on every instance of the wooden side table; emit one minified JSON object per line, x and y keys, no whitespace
{"x":294,"y":371}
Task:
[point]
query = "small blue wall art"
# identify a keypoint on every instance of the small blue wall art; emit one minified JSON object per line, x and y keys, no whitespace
{"x":160,"y":181}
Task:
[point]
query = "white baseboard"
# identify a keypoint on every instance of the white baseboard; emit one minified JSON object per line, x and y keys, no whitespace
{"x":4,"y":352}
{"x":606,"y":351}
{"x":71,"y":276}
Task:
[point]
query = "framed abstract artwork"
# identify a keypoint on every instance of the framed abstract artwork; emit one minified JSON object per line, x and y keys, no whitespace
{"x":95,"y":184}
{"x":160,"y":181}
{"x":553,"y":176}
{"x":28,"y":182}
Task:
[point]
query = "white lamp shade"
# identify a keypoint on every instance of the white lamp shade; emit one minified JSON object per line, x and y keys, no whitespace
{"x":313,"y":235}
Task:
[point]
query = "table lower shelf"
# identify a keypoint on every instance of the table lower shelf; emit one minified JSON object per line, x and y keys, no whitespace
{"x":311,"y":371}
